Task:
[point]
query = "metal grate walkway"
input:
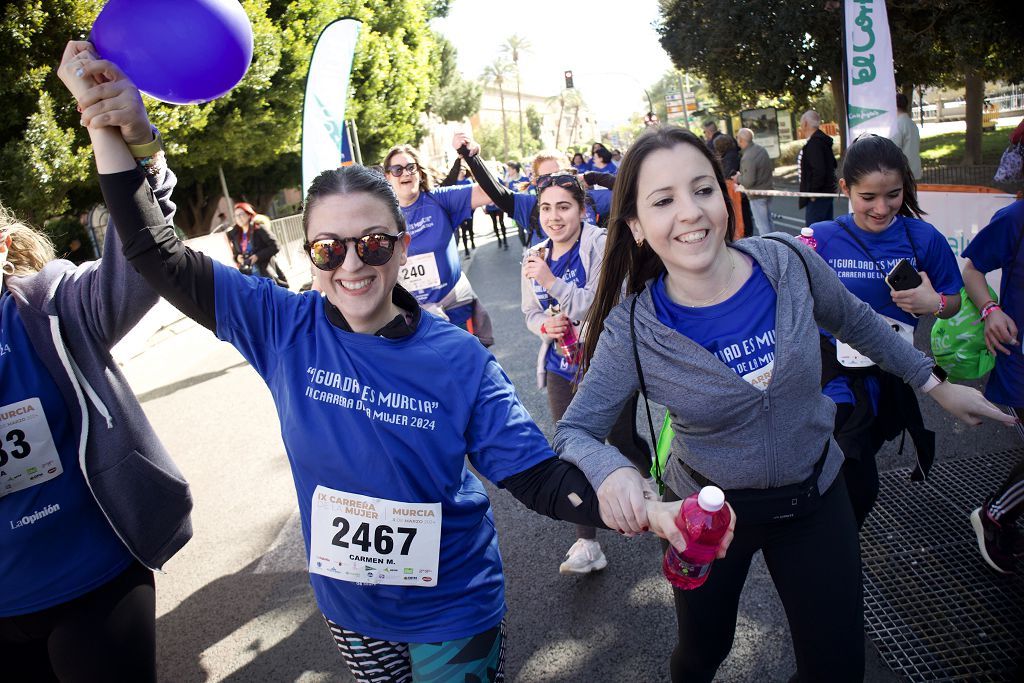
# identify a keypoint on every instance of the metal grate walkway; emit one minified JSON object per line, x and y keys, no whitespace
{"x":932,"y":607}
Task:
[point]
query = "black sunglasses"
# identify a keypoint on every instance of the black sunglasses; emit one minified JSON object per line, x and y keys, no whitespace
{"x":566,"y":180}
{"x":397,"y":170}
{"x":374,"y":249}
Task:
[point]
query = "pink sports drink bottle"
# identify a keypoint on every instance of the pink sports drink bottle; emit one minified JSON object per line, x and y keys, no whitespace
{"x":569,"y":345}
{"x":807,"y":237}
{"x":703,"y":520}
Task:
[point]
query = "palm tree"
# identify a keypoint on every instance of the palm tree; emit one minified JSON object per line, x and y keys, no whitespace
{"x":513,"y":46}
{"x":495,"y":73}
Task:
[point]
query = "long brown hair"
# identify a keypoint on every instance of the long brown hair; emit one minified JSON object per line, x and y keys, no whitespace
{"x":624,"y":261}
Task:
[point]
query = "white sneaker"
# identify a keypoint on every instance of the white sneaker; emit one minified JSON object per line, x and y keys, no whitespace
{"x":584,"y":556}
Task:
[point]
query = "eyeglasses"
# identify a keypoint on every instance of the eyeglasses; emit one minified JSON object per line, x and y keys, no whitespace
{"x":566,"y":180}
{"x":374,"y":249}
{"x":397,"y":170}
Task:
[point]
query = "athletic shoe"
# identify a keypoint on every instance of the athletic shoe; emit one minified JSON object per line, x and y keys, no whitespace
{"x":584,"y":556}
{"x":998,"y":545}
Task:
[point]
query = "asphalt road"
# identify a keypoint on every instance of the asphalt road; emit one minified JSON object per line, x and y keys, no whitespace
{"x":235,"y":603}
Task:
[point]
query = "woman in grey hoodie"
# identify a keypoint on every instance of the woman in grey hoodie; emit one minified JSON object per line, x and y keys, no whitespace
{"x":725,"y":335}
{"x":91,"y":502}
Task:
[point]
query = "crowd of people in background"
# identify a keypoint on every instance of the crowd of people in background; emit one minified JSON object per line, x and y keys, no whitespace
{"x":637,"y":286}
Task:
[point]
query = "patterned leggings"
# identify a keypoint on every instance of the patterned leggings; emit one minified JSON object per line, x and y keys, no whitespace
{"x":476,"y":659}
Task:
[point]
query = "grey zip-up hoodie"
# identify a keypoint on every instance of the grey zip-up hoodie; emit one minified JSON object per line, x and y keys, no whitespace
{"x":574,"y":301}
{"x":73,"y":316}
{"x":725,"y":428}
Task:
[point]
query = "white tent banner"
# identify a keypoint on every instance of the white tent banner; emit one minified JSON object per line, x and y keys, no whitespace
{"x":870,"y":80}
{"x":323,"y":110}
{"x":959,"y":216}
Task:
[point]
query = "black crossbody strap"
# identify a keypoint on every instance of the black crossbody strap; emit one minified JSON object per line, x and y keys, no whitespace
{"x":796,"y":251}
{"x":643,"y":392}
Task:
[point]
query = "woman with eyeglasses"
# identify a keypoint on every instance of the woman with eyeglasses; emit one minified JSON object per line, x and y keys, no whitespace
{"x":401,"y":541}
{"x":721,"y":333}
{"x":433,"y":215}
{"x":254,"y":245}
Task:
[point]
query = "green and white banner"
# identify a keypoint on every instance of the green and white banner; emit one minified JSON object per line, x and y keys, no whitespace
{"x":870,"y":81}
{"x":323,"y":110}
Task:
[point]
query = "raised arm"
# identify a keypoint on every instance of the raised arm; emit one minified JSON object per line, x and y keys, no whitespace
{"x":176,"y":272}
{"x":487,"y":189}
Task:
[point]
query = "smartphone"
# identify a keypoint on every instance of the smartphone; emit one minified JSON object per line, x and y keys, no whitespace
{"x":903,"y":276}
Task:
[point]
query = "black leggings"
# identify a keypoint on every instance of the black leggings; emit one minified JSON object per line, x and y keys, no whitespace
{"x":814,"y":562}
{"x":854,"y":432}
{"x":108,"y":634}
{"x":1007,"y":503}
{"x":498,"y":221}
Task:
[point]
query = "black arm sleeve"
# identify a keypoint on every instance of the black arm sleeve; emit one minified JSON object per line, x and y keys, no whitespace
{"x":180,"y":275}
{"x":596,"y":178}
{"x":502,"y":197}
{"x":546,"y":488}
{"x":453,"y":175}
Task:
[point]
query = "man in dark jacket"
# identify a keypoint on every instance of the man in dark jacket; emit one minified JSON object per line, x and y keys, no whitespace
{"x":817,"y":169}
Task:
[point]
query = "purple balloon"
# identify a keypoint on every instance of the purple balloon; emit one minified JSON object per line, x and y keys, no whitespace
{"x":178,"y":51}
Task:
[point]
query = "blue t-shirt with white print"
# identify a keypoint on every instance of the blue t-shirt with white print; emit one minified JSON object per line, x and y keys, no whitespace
{"x":568,"y":267}
{"x":999,"y":247}
{"x":863,"y":271}
{"x":392,"y":419}
{"x":739,"y":331}
{"x":431,"y":222}
{"x":55,"y":543}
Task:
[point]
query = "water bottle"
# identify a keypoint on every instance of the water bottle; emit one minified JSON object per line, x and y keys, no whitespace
{"x":807,"y":237}
{"x":703,"y":520}
{"x":569,"y":345}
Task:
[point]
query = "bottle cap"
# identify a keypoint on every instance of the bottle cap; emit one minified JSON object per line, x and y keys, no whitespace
{"x":807,"y":232}
{"x":711,"y":498}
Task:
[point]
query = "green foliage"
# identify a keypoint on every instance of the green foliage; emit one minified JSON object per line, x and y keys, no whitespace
{"x":453,"y":98}
{"x":948,"y":149}
{"x":534,"y":122}
{"x":253,"y":133}
{"x":491,"y":139}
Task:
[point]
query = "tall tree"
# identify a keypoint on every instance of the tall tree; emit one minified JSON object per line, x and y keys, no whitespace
{"x":495,"y":73}
{"x":513,"y":47}
{"x":453,"y":98}
{"x":252,"y":132}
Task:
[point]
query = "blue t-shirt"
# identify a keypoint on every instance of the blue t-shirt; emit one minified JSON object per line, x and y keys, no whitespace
{"x":610,"y":167}
{"x":569,"y":268}
{"x":602,"y":198}
{"x":431,"y":222}
{"x":393,"y":419}
{"x":998,"y":246}
{"x":55,"y":543}
{"x":524,"y":203}
{"x":739,"y":331}
{"x":863,"y":273}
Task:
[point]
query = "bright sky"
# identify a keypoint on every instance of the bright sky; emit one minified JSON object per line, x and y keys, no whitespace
{"x":609,"y":45}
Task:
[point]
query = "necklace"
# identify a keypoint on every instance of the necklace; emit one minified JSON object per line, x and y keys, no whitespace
{"x":732,"y":263}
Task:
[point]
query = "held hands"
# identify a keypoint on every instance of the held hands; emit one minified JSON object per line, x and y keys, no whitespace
{"x":628,"y":506}
{"x":106,"y":97}
{"x":999,"y":330}
{"x":461,"y":139}
{"x":921,"y":300}
{"x":536,"y":268}
{"x":968,"y":405}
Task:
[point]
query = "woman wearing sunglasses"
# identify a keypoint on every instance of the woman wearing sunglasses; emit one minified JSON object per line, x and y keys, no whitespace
{"x":433,"y":215}
{"x":522,"y":205}
{"x":403,"y":553}
{"x":725,"y":335}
